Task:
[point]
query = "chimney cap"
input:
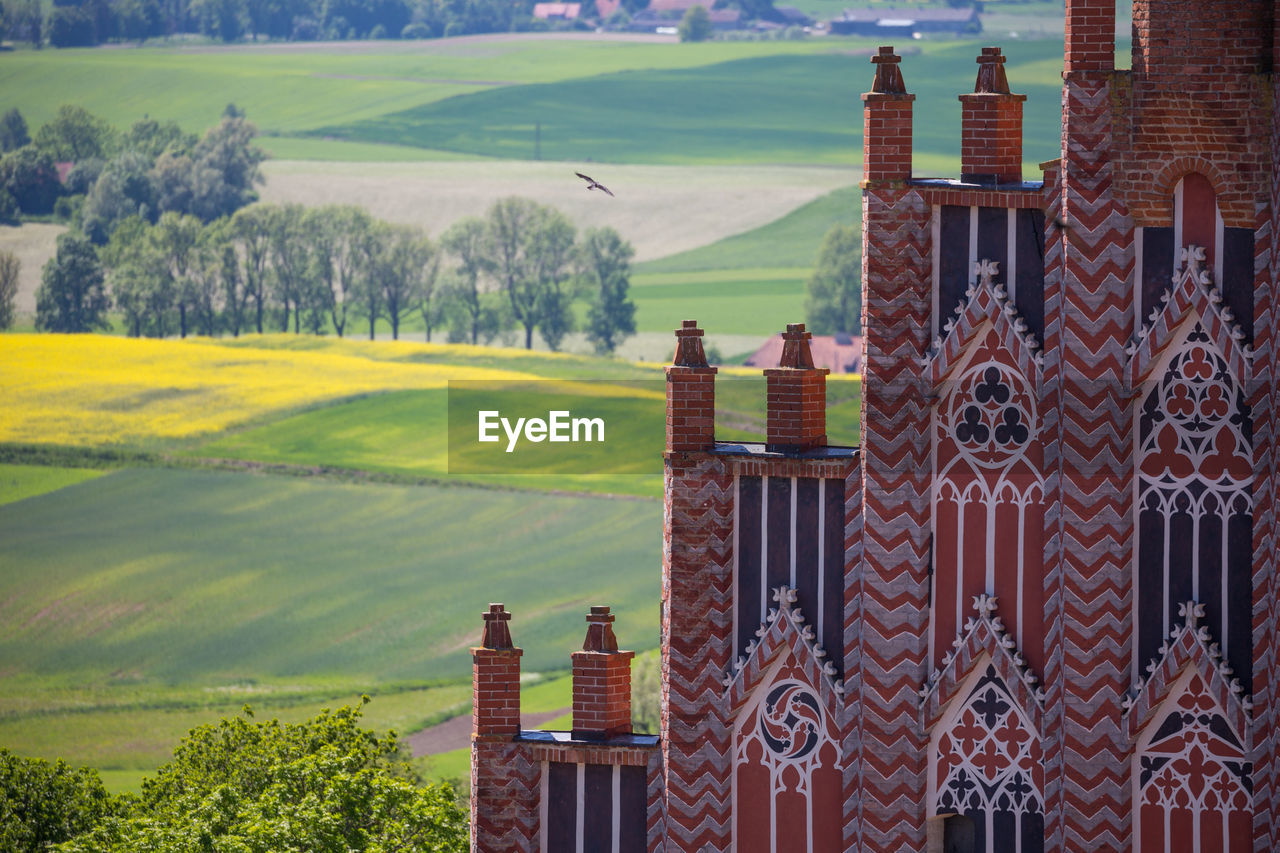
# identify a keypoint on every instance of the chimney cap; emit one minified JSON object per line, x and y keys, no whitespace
{"x":600,"y":637}
{"x":796,"y":352}
{"x":497,"y":633}
{"x":888,"y":79}
{"x":689,"y":351}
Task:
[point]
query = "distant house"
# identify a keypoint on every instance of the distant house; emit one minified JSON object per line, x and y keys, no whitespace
{"x":905,"y":20}
{"x":557,"y":11}
{"x":840,"y":353}
{"x":676,"y":8}
{"x":793,"y":17}
{"x":605,"y":8}
{"x":725,"y":19}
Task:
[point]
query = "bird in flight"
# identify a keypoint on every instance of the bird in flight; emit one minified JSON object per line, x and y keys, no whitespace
{"x":592,"y":183}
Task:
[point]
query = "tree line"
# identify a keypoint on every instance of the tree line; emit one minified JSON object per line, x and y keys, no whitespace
{"x":324,"y":784}
{"x":163,"y":231}
{"x":153,"y":168}
{"x":286,"y":268}
{"x":81,"y":23}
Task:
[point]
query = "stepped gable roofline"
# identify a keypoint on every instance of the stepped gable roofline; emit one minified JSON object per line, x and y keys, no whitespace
{"x":984,"y":638}
{"x":1189,"y":645}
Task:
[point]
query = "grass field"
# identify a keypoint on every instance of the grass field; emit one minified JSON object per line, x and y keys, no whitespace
{"x":290,"y":88}
{"x":784,"y":107}
{"x":188,"y":577}
{"x":19,"y":482}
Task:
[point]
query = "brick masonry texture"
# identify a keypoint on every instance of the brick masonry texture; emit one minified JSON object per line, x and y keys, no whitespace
{"x":1200,"y":99}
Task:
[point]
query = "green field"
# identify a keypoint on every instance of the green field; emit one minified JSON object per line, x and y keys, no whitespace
{"x":19,"y":482}
{"x":201,"y":577}
{"x":764,"y":109}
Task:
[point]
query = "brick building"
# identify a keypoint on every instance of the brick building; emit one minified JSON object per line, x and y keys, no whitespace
{"x":1037,"y":608}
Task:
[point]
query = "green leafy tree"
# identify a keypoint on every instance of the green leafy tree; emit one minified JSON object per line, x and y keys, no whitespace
{"x":834,"y":302}
{"x":217,"y":178}
{"x":72,"y":26}
{"x":404,"y":270}
{"x":604,"y":263}
{"x":151,"y":138}
{"x":551,"y":252}
{"x":44,"y":803}
{"x":322,"y":785}
{"x":174,"y":239}
{"x":72,"y":296}
{"x":290,"y":256}
{"x":138,"y":20}
{"x":531,"y":249}
{"x":695,"y":25}
{"x":123,"y":189}
{"x":474,"y":311}
{"x":10,"y":266}
{"x":340,"y":255}
{"x":252,"y":242}
{"x":30,"y":176}
{"x":75,"y":134}
{"x":13,"y":131}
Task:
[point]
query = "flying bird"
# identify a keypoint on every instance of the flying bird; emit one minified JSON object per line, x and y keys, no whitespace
{"x":592,"y":183}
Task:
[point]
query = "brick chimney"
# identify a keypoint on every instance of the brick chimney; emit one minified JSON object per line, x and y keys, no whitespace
{"x":1090,"y":36}
{"x":495,"y":683}
{"x":691,"y":394}
{"x":796,"y":417}
{"x":991,"y":126}
{"x":886,"y":122}
{"x":601,"y":682}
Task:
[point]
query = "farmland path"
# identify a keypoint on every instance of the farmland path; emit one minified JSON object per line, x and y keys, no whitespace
{"x":455,"y":733}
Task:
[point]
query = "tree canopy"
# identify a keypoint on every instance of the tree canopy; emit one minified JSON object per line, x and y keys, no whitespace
{"x":71,"y":297}
{"x":834,"y":302}
{"x":324,"y":785}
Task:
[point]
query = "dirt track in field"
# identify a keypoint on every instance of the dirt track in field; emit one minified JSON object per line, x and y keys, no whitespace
{"x":455,"y":733}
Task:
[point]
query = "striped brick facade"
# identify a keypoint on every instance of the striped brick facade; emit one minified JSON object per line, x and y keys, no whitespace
{"x":1038,"y":607}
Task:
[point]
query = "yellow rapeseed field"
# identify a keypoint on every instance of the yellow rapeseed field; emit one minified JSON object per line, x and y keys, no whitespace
{"x":98,"y":390}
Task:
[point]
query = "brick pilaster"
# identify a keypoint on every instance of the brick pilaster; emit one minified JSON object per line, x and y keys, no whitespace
{"x":697,"y":620}
{"x":691,"y":394}
{"x":601,"y":681}
{"x":796,"y":410}
{"x":1090,"y":36}
{"x":504,"y":790}
{"x":991,"y":126}
{"x":1087,"y":778}
{"x":888,"y":774}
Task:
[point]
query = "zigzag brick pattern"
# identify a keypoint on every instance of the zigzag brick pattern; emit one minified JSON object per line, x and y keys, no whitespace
{"x":1050,"y":420}
{"x":1096,"y":468}
{"x":851,"y":732}
{"x":896,"y":477}
{"x":1266,"y":596}
{"x":696,"y":635}
{"x":505,"y":798}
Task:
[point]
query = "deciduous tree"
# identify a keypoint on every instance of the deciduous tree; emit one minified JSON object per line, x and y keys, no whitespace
{"x":75,"y":134}
{"x":834,"y":303}
{"x":10,"y":266}
{"x":13,"y":131}
{"x":44,"y":803}
{"x":71,"y":297}
{"x":695,"y":25}
{"x":604,"y":263}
